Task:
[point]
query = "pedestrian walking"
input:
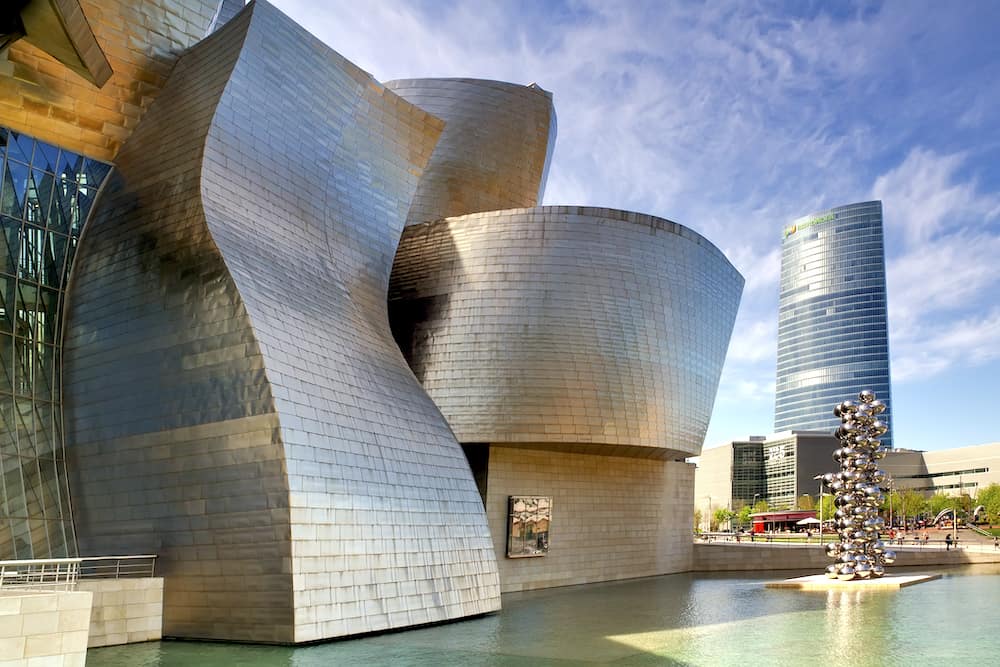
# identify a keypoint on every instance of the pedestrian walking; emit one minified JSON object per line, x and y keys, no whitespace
{"x":947,"y":542}
{"x":996,"y":542}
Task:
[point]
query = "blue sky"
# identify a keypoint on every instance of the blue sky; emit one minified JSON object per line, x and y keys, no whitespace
{"x":736,"y":118}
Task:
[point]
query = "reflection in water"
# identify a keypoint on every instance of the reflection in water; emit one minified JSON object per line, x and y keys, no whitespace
{"x":680,"y":619}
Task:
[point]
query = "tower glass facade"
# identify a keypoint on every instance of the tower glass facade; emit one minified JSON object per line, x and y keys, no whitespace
{"x":832,"y":324}
{"x":45,"y":197}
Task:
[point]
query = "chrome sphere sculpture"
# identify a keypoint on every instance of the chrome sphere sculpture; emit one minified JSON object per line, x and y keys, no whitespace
{"x":857,"y":489}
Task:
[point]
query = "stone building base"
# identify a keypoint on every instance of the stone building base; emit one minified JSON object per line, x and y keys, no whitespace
{"x":613,"y":517}
{"x":44,"y":627}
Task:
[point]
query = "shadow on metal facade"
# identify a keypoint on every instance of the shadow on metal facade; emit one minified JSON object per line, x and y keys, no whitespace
{"x":574,"y":328}
{"x":235,"y":398}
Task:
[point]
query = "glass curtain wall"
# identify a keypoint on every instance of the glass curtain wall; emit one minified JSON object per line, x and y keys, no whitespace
{"x":833,"y":338}
{"x":45,"y":196}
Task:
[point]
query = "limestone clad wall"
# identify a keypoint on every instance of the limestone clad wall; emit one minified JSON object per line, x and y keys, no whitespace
{"x":44,"y":628}
{"x":125,"y":611}
{"x":141,"y":40}
{"x":612,"y":517}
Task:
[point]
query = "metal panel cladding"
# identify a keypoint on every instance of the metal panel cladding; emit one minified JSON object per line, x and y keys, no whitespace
{"x":833,"y":338}
{"x":567,"y":327}
{"x":495,"y":149}
{"x":235,"y":400}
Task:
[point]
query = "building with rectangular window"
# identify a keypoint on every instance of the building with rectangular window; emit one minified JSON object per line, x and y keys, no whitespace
{"x":833,"y":338}
{"x":778,"y":469}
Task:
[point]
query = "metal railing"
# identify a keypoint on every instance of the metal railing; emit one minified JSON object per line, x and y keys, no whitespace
{"x":118,"y":567}
{"x":52,"y":574}
{"x":63,"y":573}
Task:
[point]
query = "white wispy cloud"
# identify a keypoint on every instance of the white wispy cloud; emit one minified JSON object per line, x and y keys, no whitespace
{"x":927,"y":197}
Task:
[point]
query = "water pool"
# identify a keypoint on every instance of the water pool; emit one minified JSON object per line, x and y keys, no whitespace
{"x":685,"y":619}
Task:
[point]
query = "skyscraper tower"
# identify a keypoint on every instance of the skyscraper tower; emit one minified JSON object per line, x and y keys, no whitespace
{"x":833,"y":336}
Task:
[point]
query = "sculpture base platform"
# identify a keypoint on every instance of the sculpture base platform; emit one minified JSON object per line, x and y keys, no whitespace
{"x":820,"y":582}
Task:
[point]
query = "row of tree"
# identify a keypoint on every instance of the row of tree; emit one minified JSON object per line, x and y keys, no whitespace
{"x":902,"y":504}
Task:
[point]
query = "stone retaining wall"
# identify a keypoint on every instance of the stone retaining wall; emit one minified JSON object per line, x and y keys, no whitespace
{"x":125,"y":610}
{"x":732,"y":557}
{"x":44,"y":628}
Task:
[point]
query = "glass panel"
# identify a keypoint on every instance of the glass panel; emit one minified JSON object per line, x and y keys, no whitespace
{"x":20,"y":147}
{"x":85,"y":199}
{"x":46,"y":305}
{"x":6,"y":538}
{"x":54,"y":254}
{"x":15,"y":184}
{"x":10,"y":235}
{"x":14,"y":487}
{"x":70,"y":165}
{"x":63,"y":205}
{"x":40,"y":188}
{"x":57,"y":540}
{"x":49,"y":487}
{"x":8,"y":307}
{"x":39,"y":537}
{"x":24,"y":422}
{"x":8,"y":446}
{"x":22,"y":539}
{"x":43,"y":428}
{"x":41,"y":375}
{"x":94,"y":173}
{"x":31,"y":252}
{"x":46,"y":156}
{"x":32,"y":486}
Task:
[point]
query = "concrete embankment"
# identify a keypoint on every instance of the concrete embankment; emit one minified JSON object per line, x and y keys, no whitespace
{"x":734,"y":557}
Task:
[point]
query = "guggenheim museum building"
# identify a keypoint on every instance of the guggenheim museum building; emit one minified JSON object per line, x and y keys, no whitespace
{"x":312,"y":339}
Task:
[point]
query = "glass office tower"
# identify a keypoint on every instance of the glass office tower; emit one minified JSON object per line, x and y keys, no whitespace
{"x":832,"y":326}
{"x":45,"y":197}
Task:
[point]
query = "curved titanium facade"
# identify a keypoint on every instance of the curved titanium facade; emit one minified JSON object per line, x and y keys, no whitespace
{"x":495,"y":149}
{"x":567,"y":327}
{"x":833,"y":336}
{"x":234,"y":397}
{"x":142,"y":41}
{"x":45,"y":197}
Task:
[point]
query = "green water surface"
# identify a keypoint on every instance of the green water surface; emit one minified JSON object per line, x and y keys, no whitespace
{"x":685,"y":619}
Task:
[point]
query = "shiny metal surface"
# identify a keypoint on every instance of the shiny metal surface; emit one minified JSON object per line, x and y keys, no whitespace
{"x":495,"y":150}
{"x":856,"y":489}
{"x":833,"y":336}
{"x":588,"y":329}
{"x":234,"y":397}
{"x":141,"y":41}
{"x":46,"y":195}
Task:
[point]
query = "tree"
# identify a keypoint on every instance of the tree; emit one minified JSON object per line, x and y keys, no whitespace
{"x":827,"y":506}
{"x":697,"y":521}
{"x":805,"y":502}
{"x":939,"y":501}
{"x":990,"y":499}
{"x":912,"y":503}
{"x":760,"y":506}
{"x":743,"y":516}
{"x":723,"y":515}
